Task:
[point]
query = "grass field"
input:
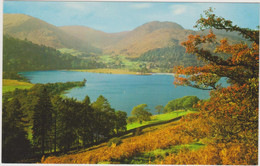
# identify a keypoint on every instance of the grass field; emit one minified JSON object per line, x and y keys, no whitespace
{"x":11,"y":85}
{"x":159,"y":118}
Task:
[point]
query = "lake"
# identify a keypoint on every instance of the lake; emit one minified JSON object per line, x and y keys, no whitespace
{"x":122,"y":91}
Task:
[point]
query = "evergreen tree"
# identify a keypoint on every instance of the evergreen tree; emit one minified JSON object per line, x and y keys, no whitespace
{"x":86,"y":127}
{"x":42,"y":119}
{"x":15,"y":145}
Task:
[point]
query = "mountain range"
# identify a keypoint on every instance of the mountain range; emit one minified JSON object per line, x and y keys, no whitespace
{"x":149,"y":36}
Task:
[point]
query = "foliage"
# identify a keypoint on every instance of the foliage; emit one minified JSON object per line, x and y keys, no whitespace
{"x":21,"y":55}
{"x":141,"y":113}
{"x":131,"y":119}
{"x":169,"y":57}
{"x":159,"y":109}
{"x":55,"y":123}
{"x":185,"y":103}
{"x":15,"y":145}
{"x":42,"y":119}
{"x":219,"y":154}
{"x":231,"y":113}
{"x":14,"y":76}
{"x":114,"y":142}
{"x":165,"y":137}
{"x":120,"y":122}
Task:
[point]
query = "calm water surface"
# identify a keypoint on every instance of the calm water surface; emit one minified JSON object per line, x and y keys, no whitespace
{"x":122,"y":91}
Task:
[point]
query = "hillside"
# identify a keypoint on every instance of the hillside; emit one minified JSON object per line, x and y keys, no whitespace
{"x":97,"y":38}
{"x":156,"y":45}
{"x":21,"y":55}
{"x":147,"y":37}
{"x":163,"y":137}
{"x":40,"y":32}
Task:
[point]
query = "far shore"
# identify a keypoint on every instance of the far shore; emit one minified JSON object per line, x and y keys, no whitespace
{"x":117,"y":71}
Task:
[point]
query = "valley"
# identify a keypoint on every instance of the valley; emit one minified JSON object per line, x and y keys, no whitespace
{"x":151,"y":48}
{"x":156,"y":93}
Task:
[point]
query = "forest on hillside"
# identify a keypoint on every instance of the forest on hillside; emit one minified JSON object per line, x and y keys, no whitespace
{"x":23,"y":55}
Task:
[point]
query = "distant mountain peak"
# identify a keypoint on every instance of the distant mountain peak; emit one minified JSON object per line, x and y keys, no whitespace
{"x":155,"y":25}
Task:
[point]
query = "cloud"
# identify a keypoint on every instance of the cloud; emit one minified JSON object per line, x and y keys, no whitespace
{"x":141,"y":5}
{"x":178,"y":9}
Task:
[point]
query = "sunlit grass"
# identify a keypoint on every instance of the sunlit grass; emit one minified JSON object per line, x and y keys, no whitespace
{"x":70,"y":51}
{"x":159,"y":118}
{"x":11,"y":85}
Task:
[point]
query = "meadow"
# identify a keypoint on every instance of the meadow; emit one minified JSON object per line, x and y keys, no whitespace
{"x":11,"y":85}
{"x":159,"y":118}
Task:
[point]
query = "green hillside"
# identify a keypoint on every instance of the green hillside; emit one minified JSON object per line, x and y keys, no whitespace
{"x":20,"y":55}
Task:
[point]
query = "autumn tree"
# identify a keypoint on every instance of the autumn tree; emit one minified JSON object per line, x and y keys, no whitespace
{"x":232,"y":112}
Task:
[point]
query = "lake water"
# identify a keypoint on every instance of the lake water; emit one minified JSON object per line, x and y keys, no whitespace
{"x":122,"y":91}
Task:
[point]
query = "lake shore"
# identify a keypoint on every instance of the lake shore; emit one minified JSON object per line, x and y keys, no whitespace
{"x":117,"y":71}
{"x":108,"y":71}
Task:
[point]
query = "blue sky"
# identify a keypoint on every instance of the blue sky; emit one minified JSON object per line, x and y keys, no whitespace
{"x":123,"y":16}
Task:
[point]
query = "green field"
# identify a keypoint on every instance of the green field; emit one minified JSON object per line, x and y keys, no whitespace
{"x":11,"y":85}
{"x":159,"y":118}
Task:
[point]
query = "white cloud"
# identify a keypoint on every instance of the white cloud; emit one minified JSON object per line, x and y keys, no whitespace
{"x":141,"y":5}
{"x":178,"y":9}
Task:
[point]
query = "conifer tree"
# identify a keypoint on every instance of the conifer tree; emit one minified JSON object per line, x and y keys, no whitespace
{"x":42,"y":118}
{"x":15,"y":144}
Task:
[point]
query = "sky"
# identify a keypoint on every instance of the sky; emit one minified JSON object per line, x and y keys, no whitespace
{"x":124,"y":16}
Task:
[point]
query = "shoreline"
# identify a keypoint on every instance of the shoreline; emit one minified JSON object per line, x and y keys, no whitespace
{"x":116,"y":71}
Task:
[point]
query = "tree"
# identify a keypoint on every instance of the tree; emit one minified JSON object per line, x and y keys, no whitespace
{"x":86,"y":127}
{"x":104,"y":117}
{"x":57,"y":106}
{"x":232,"y":112}
{"x":42,"y":119}
{"x":15,"y":144}
{"x":120,"y":122}
{"x":159,"y":109}
{"x":131,"y":119}
{"x":68,"y":123}
{"x":141,"y":113}
{"x":183,"y":103}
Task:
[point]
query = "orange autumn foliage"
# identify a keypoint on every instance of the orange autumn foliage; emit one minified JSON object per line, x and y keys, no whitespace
{"x":165,"y":137}
{"x":231,"y":113}
{"x":217,"y":154}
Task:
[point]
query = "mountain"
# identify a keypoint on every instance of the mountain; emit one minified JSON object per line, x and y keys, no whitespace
{"x":133,"y":43}
{"x":40,"y":32}
{"x":150,"y":36}
{"x":97,"y":38}
{"x":141,"y":40}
